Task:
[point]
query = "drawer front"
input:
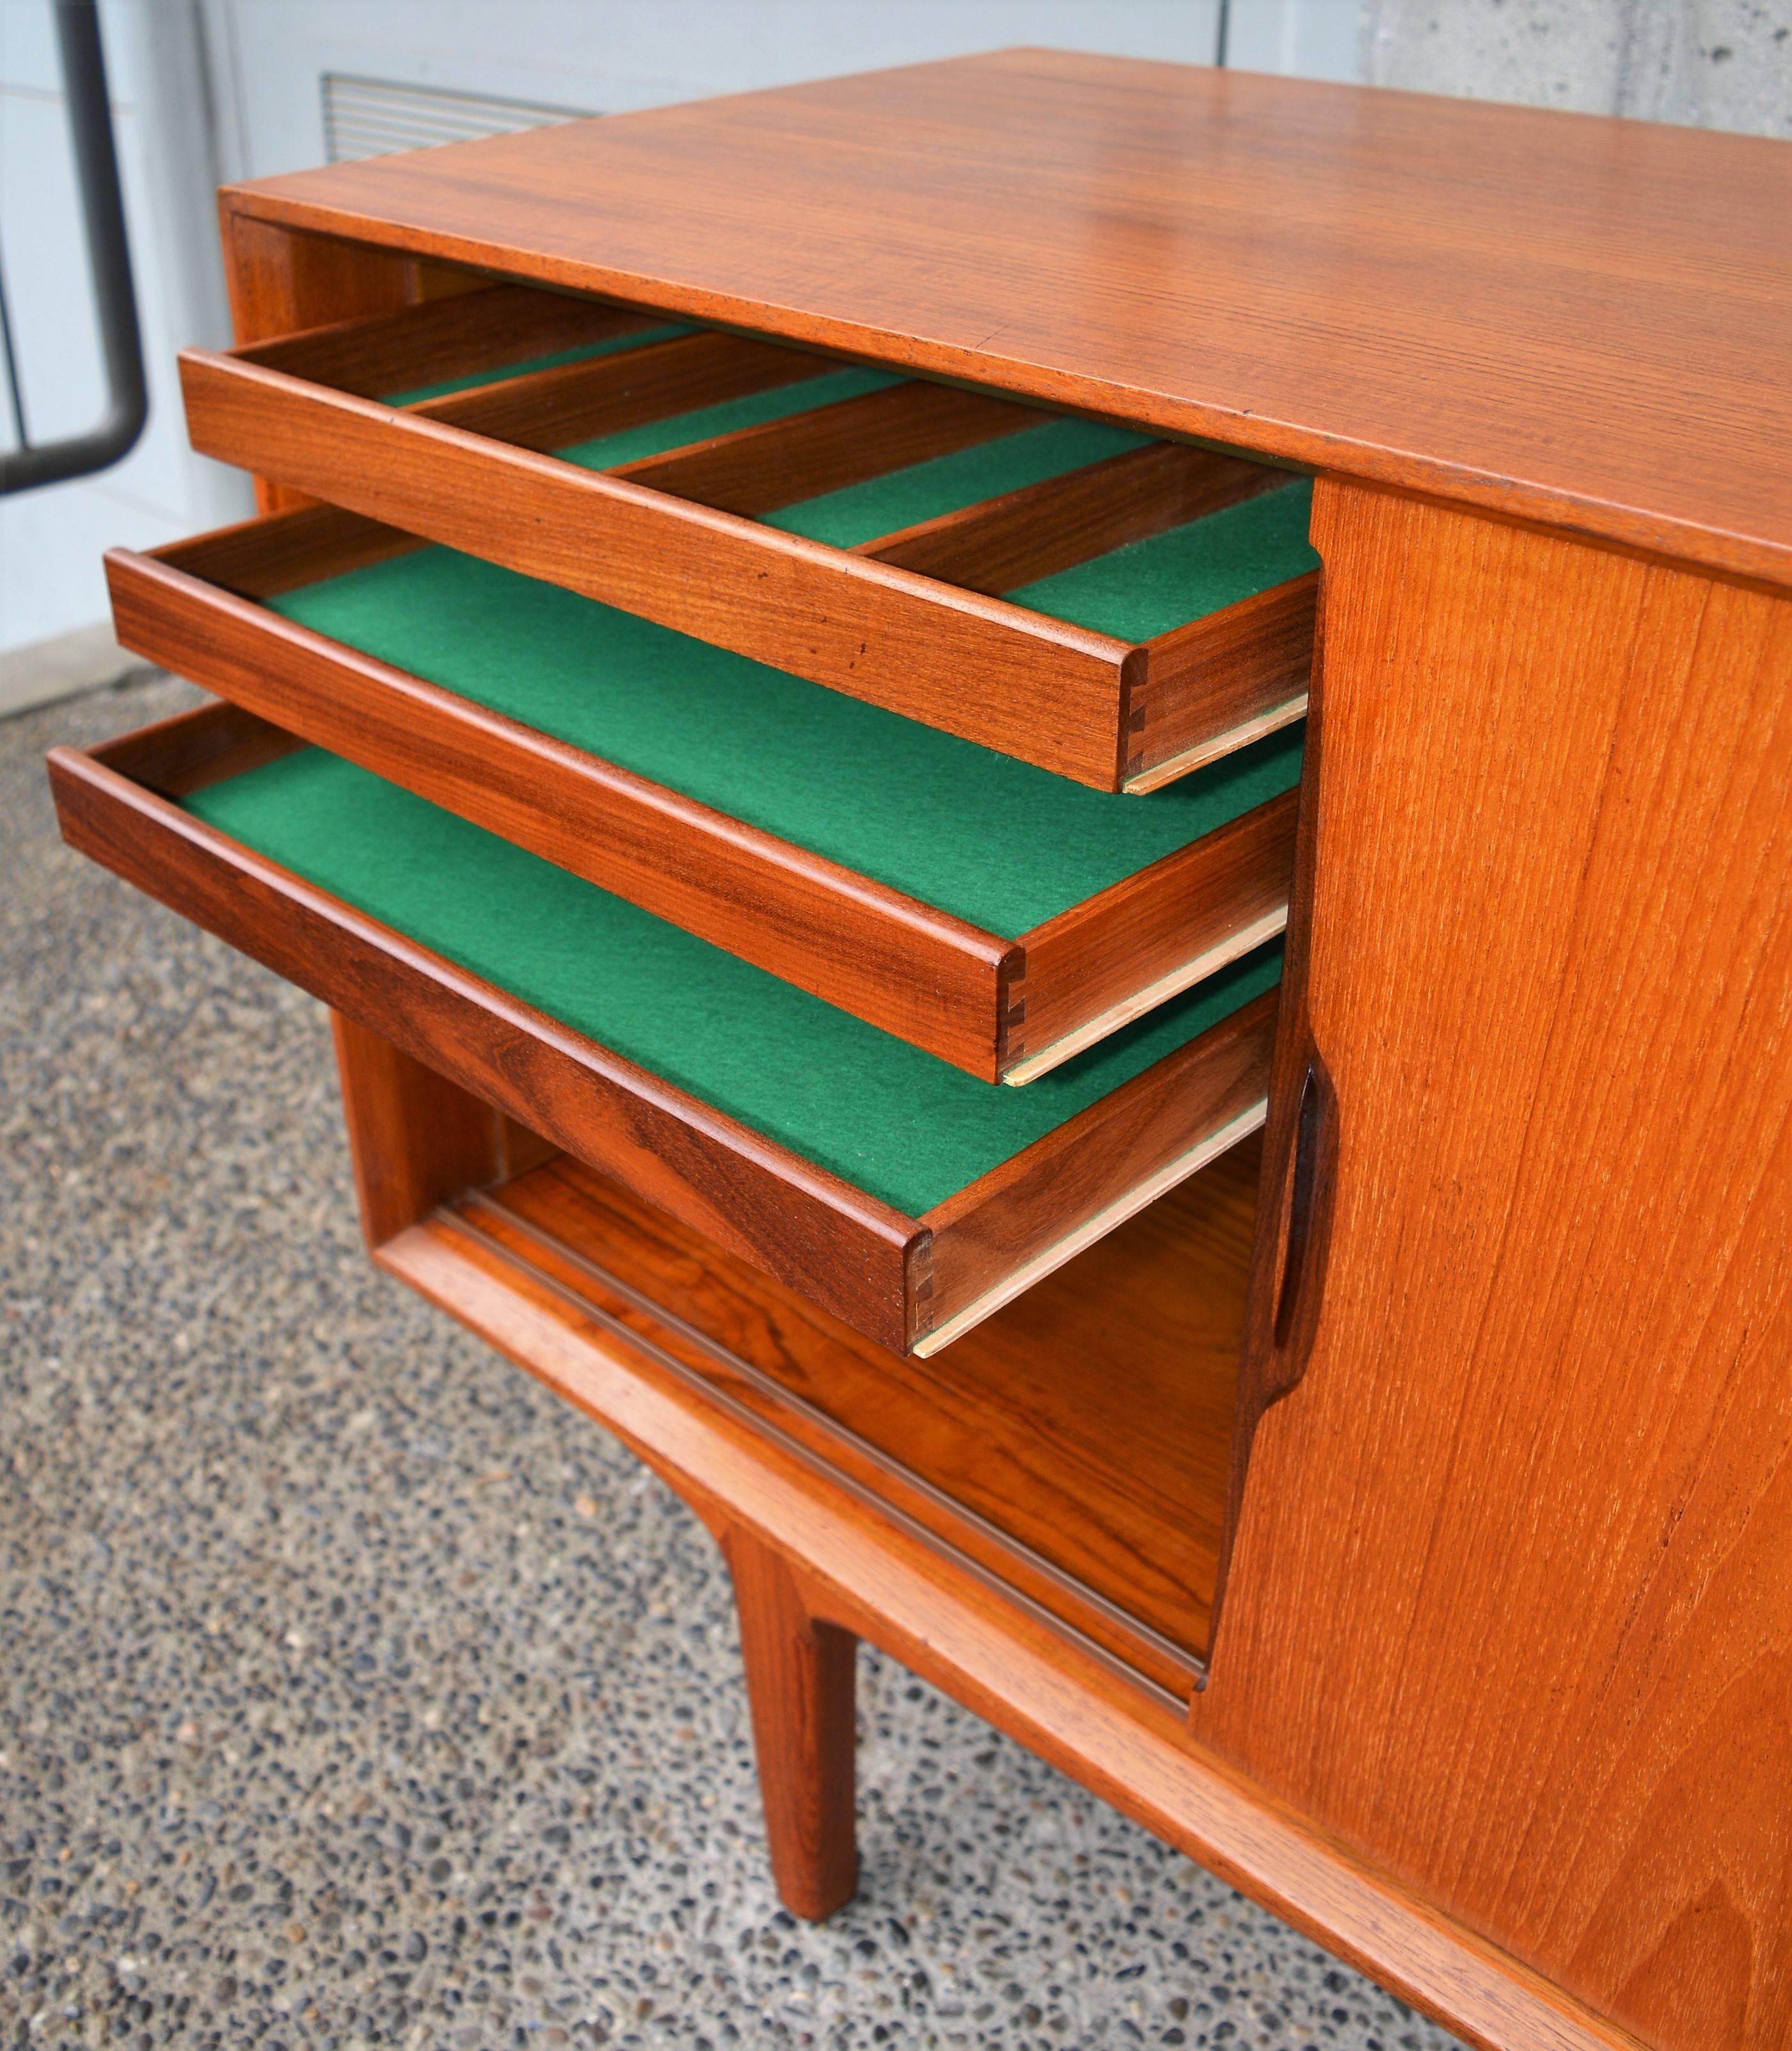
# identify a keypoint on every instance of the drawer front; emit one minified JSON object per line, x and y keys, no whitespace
{"x":702,"y":536}
{"x":911,"y":1275}
{"x":1192,"y":880}
{"x":936,"y":980}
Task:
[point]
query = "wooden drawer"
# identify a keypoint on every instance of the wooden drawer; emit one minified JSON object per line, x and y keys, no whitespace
{"x":1113,"y":609}
{"x":1000,"y":917}
{"x":908,"y":1198}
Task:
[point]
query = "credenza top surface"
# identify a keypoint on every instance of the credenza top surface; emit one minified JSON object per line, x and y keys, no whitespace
{"x":1580,"y":321}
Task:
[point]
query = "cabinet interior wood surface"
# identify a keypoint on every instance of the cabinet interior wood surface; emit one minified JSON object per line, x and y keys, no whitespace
{"x":1394,"y":1515}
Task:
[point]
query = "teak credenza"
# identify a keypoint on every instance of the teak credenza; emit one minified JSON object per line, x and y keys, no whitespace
{"x":843,"y":691}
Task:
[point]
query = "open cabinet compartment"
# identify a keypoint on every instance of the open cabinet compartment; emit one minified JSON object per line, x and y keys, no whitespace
{"x":1001,"y":1186}
{"x":592,"y":446}
{"x":997,"y":916}
{"x":1073,"y":1450}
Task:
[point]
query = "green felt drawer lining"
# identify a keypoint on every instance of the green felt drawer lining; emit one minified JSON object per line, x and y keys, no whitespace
{"x":990,"y":839}
{"x":584,"y":352}
{"x":875,"y":1111}
{"x":1186,"y":572}
{"x":904,"y":497}
{"x":1132,"y":593}
{"x":727,"y":416}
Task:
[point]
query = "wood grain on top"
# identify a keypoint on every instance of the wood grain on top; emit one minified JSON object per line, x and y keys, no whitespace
{"x":1573,"y":319}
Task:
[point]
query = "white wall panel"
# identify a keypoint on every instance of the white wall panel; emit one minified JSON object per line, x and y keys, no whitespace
{"x":613,"y":56}
{"x":52,"y":539}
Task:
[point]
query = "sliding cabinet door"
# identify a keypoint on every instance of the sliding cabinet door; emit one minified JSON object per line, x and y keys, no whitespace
{"x":1509,"y":1607}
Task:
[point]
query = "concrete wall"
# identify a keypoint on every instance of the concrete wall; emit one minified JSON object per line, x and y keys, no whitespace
{"x":211,"y":89}
{"x":1711,"y":64}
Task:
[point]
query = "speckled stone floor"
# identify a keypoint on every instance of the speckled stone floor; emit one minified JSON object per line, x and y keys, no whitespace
{"x":352,"y":1691}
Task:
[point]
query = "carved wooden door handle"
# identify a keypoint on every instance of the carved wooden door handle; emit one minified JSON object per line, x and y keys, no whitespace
{"x":1297,"y":1304}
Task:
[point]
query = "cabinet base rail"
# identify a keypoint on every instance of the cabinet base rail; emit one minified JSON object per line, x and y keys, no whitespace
{"x":815,"y":1567}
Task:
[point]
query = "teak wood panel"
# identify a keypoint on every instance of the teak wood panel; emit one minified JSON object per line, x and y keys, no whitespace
{"x":1574,"y":321}
{"x":416,"y":1142}
{"x":298,"y":407}
{"x":1509,"y":1609}
{"x":280,"y":283}
{"x":856,"y":1256}
{"x":987,"y":1004}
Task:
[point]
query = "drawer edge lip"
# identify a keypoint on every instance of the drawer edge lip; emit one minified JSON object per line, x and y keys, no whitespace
{"x":1043,"y":1205}
{"x":1164,"y":929}
{"x":1209,"y":962}
{"x":1219,"y":681}
{"x":864,"y":1276}
{"x":915,"y":946}
{"x":1185,"y":764}
{"x":1049,"y":1259}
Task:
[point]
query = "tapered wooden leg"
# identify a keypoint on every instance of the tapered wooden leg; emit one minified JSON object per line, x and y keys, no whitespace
{"x":799,"y":1685}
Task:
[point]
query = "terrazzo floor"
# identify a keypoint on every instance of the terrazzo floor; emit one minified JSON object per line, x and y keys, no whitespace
{"x":352,"y":1691}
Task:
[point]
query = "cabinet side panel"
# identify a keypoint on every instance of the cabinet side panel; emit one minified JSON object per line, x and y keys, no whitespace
{"x":281,"y":282}
{"x":416,"y":1138}
{"x":1510,"y":1605}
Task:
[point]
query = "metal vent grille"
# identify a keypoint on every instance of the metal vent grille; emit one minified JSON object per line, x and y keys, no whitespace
{"x":372,"y":117}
